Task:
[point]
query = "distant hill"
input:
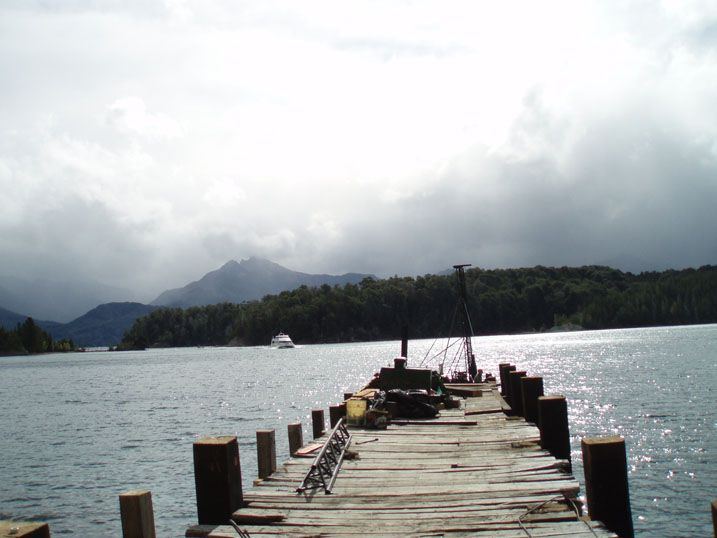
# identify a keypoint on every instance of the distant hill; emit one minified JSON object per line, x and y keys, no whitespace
{"x":248,"y":280}
{"x":104,"y":325}
{"x":58,"y":301}
{"x":9,"y":320}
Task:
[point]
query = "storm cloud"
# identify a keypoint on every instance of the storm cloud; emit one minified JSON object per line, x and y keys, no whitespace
{"x":143,"y":144}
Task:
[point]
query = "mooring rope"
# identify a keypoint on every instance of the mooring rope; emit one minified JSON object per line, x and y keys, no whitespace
{"x":242,"y":534}
{"x":553,"y":499}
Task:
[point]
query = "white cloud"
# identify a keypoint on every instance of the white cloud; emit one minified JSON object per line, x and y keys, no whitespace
{"x":179,"y":10}
{"x":130,"y":115}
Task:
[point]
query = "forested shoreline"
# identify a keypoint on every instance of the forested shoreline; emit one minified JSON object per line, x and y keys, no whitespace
{"x":500,"y":301}
{"x":28,"y":338}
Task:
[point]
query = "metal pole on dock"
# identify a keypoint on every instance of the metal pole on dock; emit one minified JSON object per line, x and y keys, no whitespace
{"x":606,"y":487}
{"x":471,"y":368}
{"x":137,"y":514}
{"x":217,"y":476}
{"x":265,"y":453}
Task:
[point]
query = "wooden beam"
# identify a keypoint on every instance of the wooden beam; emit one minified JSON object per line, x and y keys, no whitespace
{"x":24,"y":529}
{"x":606,"y":488}
{"x":505,"y":369}
{"x":296,"y":437}
{"x":318,"y":422}
{"x":137,"y":514}
{"x":516,"y":397}
{"x":553,"y":425}
{"x":217,"y":476}
{"x":531,"y":388}
{"x":336,"y":413}
{"x":266,"y":453}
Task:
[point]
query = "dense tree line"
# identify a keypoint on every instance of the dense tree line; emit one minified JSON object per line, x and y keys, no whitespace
{"x":500,"y":302}
{"x":29,"y":338}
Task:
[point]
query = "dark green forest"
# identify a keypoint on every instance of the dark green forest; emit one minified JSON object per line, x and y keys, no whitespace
{"x":29,"y":338}
{"x":501,"y":301}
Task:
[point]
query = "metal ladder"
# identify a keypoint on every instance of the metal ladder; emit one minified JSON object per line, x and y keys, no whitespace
{"x":325,"y":467}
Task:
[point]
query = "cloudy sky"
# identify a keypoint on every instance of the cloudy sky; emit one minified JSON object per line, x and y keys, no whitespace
{"x":146,"y":142}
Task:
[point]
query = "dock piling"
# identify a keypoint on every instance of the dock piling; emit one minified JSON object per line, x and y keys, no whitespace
{"x":553,"y":426}
{"x":336,"y":413}
{"x":137,"y":514}
{"x":217,"y":476}
{"x":317,"y":422}
{"x":266,"y":452}
{"x":503,"y":369}
{"x":714,"y":517}
{"x":296,"y":437}
{"x":516,"y":397}
{"x":531,"y":389}
{"x":606,"y":487}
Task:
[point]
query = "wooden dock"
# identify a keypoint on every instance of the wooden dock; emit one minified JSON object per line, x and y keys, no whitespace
{"x":471,"y":471}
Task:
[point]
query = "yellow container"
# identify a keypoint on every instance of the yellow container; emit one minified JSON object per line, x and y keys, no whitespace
{"x":356,"y":411}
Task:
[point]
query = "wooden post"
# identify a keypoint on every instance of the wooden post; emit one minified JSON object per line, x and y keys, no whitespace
{"x":553,"y":425}
{"x":317,"y":422}
{"x":24,"y":529}
{"x":508,"y":387}
{"x":336,"y":412}
{"x":404,"y":341}
{"x":217,"y":475}
{"x":606,"y":488}
{"x":137,"y":514}
{"x":714,"y":517}
{"x":296,"y":437}
{"x":516,"y":397}
{"x":531,"y":389}
{"x":503,"y":371}
{"x":266,"y":452}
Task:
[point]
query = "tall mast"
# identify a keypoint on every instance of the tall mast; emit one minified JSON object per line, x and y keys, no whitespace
{"x":467,"y":327}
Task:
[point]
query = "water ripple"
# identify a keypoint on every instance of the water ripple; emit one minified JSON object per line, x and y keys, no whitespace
{"x":134,"y":425}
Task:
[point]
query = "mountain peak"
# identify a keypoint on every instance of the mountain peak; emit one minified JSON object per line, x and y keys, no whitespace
{"x":230,"y":263}
{"x":248,"y":280}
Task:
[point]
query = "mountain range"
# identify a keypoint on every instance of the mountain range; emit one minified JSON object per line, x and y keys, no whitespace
{"x":106,"y":323}
{"x":236,"y":282}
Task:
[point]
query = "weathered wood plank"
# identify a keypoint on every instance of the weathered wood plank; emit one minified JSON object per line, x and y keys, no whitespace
{"x":24,"y":529}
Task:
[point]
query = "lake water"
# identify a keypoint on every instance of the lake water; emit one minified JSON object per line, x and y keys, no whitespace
{"x":80,"y":429}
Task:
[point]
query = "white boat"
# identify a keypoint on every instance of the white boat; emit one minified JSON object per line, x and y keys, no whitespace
{"x":281,"y":340}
